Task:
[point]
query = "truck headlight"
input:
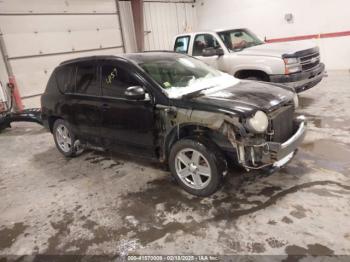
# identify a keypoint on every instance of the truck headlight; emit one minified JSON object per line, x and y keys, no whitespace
{"x":296,"y":101}
{"x":257,"y":123}
{"x":292,"y":65}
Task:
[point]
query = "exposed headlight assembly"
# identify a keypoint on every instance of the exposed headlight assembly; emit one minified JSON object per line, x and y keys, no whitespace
{"x":296,"y":101}
{"x":257,"y":123}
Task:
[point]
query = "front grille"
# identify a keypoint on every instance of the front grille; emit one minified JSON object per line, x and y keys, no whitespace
{"x":309,"y":61}
{"x":282,"y":124}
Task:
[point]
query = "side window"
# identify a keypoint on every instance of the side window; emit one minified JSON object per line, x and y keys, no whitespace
{"x":86,"y":80}
{"x":203,"y":41}
{"x":115,"y":80}
{"x":65,"y":77}
{"x":181,"y":44}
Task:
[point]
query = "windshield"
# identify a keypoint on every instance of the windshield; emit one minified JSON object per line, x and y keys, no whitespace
{"x":239,"y":39}
{"x":181,"y":76}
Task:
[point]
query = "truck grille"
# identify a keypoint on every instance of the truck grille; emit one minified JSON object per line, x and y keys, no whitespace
{"x":309,"y":61}
{"x":282,"y":124}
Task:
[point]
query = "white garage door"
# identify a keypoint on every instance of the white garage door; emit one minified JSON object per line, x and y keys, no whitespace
{"x":39,"y":34}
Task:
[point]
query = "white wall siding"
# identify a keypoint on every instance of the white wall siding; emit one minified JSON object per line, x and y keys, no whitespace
{"x":164,"y":20}
{"x":266,"y":18}
{"x":39,"y":34}
{"x":3,"y":73}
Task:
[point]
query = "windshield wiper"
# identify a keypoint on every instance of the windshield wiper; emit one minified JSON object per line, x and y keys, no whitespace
{"x":196,"y":93}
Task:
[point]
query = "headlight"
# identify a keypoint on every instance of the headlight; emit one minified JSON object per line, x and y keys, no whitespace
{"x":258,"y":123}
{"x":296,"y":101}
{"x":292,"y":60}
{"x":292,"y":65}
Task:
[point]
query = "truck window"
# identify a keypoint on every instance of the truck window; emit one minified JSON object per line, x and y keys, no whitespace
{"x":181,"y":44}
{"x":238,"y":39}
{"x":87,"y":80}
{"x":203,"y":41}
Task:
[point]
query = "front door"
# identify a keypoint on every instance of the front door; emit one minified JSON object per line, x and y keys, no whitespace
{"x":202,"y":41}
{"x":126,"y":124}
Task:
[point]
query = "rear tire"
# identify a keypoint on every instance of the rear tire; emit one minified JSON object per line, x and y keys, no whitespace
{"x":196,"y":166}
{"x":65,"y":140}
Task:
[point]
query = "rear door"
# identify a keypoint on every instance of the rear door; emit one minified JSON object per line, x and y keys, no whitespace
{"x":85,"y":101}
{"x":125,"y":122}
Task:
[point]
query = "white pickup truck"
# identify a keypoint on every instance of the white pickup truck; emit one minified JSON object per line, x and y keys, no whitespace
{"x":240,"y":53}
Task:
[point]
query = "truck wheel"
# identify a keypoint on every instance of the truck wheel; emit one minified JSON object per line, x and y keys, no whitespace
{"x":65,"y":140}
{"x":196,"y":167}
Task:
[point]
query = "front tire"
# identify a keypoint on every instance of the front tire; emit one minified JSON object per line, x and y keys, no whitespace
{"x":196,"y":167}
{"x":65,"y":140}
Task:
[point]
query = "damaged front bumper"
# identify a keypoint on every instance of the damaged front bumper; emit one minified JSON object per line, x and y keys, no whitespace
{"x":272,"y":153}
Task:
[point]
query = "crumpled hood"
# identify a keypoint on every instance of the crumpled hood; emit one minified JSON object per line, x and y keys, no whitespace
{"x":278,"y":49}
{"x":244,"y":98}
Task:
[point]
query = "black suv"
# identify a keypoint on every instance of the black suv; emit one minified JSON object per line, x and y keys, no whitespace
{"x":174,"y":108}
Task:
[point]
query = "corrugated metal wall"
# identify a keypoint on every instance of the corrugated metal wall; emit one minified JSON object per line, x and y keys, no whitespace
{"x":39,"y":34}
{"x":165,"y":19}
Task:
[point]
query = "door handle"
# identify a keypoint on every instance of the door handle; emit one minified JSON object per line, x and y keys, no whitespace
{"x":105,"y":106}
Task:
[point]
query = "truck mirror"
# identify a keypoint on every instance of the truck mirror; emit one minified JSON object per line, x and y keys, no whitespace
{"x":209,"y":51}
{"x":219,"y":51}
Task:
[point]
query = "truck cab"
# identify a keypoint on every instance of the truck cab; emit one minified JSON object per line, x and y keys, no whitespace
{"x":242,"y":54}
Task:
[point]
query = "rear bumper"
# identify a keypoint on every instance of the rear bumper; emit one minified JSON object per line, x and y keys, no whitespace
{"x":27,"y":115}
{"x":303,"y":80}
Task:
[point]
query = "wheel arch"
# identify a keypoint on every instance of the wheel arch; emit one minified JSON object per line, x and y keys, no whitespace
{"x":52,"y":120}
{"x":245,"y":73}
{"x":193,"y":130}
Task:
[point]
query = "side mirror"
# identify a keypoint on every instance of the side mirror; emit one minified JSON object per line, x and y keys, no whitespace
{"x":210,"y":51}
{"x":219,"y":51}
{"x":135,"y":93}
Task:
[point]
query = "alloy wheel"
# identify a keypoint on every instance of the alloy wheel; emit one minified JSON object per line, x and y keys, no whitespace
{"x":63,"y":138}
{"x":192,"y":168}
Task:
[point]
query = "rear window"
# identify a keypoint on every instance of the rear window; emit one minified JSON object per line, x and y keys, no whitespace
{"x":182,"y":44}
{"x":65,"y":77}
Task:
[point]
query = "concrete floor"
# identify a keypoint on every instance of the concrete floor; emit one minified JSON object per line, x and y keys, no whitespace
{"x":101,"y":203}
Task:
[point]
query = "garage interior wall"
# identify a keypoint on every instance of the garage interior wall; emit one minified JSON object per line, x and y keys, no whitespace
{"x":3,"y":78}
{"x":165,"y":19}
{"x":267,"y":19}
{"x":39,"y":34}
